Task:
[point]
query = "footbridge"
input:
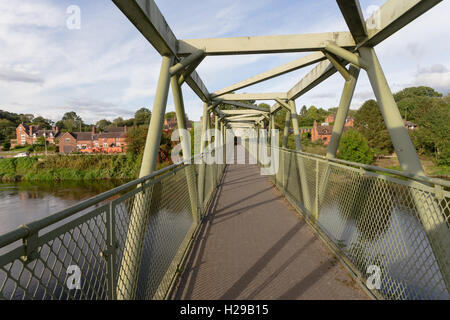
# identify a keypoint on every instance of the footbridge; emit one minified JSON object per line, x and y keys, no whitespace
{"x":281,"y":224}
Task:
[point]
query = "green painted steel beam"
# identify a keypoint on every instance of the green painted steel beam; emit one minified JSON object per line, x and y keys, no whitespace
{"x":392,"y":16}
{"x":243,"y":105}
{"x":253,"y":96}
{"x":342,"y":112}
{"x":351,"y":10}
{"x":265,"y":44}
{"x":129,"y":267}
{"x":275,"y":72}
{"x":243,"y":111}
{"x":346,"y":55}
{"x":147,"y":18}
{"x":192,"y":58}
{"x":340,"y":67}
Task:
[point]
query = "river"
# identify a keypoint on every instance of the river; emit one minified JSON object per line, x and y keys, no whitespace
{"x":25,"y":202}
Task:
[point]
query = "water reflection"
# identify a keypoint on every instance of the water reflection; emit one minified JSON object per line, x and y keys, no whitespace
{"x":25,"y":202}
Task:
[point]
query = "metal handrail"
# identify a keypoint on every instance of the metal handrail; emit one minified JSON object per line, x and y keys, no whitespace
{"x":424,"y":179}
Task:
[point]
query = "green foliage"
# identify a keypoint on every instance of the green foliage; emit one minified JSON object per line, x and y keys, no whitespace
{"x":136,"y":137}
{"x":142,"y":117}
{"x":103,"y":124}
{"x":416,"y":92}
{"x":42,"y":122}
{"x":311,"y":115}
{"x":369,"y":122}
{"x":70,"y":122}
{"x":354,"y":147}
{"x":170,"y":115}
{"x":62,"y":167}
{"x":6,"y":146}
{"x":433,"y":133}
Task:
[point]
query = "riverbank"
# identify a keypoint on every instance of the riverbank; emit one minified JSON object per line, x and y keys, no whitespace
{"x":62,"y":168}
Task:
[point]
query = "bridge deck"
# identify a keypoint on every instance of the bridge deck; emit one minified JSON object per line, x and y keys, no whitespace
{"x":253,"y":245}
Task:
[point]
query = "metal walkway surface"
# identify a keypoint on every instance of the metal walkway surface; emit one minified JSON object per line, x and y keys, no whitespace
{"x":253,"y":245}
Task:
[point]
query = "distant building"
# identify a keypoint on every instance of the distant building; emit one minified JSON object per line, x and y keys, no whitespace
{"x":29,"y":134}
{"x":410,"y":125}
{"x":113,"y":140}
{"x":324,"y":131}
{"x":171,"y":124}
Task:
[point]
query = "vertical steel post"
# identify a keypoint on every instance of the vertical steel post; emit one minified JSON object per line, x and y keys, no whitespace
{"x":216,"y":149}
{"x":286,"y":129}
{"x":300,"y":162}
{"x":186,"y":146}
{"x":404,"y":148}
{"x":129,"y":267}
{"x":201,"y":171}
{"x":339,"y":124}
{"x":431,"y":216}
{"x":342,"y":112}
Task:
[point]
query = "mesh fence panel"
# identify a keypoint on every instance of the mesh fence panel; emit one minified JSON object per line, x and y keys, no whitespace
{"x":396,"y":224}
{"x":128,"y":247}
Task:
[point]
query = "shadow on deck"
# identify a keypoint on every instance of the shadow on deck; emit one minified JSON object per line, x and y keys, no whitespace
{"x":253,"y":245}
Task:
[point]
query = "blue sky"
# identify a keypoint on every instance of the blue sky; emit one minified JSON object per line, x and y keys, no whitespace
{"x":107,"y":69}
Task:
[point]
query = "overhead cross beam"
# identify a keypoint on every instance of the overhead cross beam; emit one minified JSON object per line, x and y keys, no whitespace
{"x":285,"y":68}
{"x":243,"y":105}
{"x":266,"y":44}
{"x":253,"y":96}
{"x":390,"y":18}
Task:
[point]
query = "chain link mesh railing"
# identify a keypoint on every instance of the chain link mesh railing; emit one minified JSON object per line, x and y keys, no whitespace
{"x":127,"y":243}
{"x":376,"y":217}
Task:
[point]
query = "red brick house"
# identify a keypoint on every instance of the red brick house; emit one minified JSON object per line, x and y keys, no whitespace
{"x":172,"y":124}
{"x":111,"y":141}
{"x":29,"y":134}
{"x":324,"y":131}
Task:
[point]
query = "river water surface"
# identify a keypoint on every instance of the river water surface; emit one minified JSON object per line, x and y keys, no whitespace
{"x":25,"y":202}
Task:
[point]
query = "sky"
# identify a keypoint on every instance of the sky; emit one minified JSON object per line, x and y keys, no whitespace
{"x":106,"y":68}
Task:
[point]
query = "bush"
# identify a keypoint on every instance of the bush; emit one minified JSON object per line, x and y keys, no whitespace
{"x":354,"y":147}
{"x":6,"y":146}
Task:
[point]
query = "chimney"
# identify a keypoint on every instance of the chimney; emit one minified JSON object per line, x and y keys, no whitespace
{"x":31,"y":130}
{"x":125,"y":129}
{"x":93,"y":129}
{"x":56,"y":129}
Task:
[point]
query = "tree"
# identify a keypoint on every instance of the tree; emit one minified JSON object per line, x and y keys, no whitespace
{"x":432,"y":135}
{"x":118,"y":122}
{"x":170,"y":115}
{"x":6,"y":146}
{"x":369,"y":122}
{"x":70,"y":121}
{"x":136,"y":137}
{"x":303,"y":111}
{"x":311,"y":115}
{"x":415,"y":92}
{"x":42,"y":122}
{"x":26,"y":118}
{"x":354,"y":147}
{"x":142,"y":117}
{"x":103,"y":124}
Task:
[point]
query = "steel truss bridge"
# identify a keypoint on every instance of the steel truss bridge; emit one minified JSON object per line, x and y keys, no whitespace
{"x":316,"y":228}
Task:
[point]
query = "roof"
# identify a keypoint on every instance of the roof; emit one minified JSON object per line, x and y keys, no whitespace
{"x":82,"y":135}
{"x":324,"y":130}
{"x":115,"y":129}
{"x":40,"y":133}
{"x":111,"y":135}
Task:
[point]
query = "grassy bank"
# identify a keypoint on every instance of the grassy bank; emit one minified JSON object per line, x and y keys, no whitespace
{"x":60,"y":167}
